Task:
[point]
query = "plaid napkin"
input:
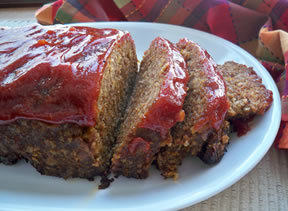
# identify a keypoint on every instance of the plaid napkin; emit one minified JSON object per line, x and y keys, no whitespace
{"x":258,"y":26}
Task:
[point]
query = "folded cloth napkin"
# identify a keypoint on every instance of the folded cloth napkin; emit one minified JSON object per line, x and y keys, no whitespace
{"x":260,"y":27}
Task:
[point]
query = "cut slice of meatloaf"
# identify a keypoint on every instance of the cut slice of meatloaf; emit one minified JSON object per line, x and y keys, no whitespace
{"x":63,"y":91}
{"x":247,"y":97}
{"x":246,"y":93}
{"x":155,"y":106}
{"x":205,"y":107}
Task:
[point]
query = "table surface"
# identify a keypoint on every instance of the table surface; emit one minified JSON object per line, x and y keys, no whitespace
{"x":264,"y":188}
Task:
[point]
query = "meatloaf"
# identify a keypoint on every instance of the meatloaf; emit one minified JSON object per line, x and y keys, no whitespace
{"x":63,"y":91}
{"x":247,"y":97}
{"x":155,"y":106}
{"x":246,"y":93}
{"x":205,"y":107}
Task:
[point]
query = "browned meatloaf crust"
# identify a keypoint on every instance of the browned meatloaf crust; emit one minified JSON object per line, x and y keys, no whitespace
{"x":205,"y":107}
{"x":214,"y":148}
{"x":70,"y":149}
{"x":155,"y":106}
{"x":58,"y":150}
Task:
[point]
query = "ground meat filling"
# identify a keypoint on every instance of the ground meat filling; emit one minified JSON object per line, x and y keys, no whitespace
{"x":155,"y":106}
{"x":246,"y":93}
{"x":205,"y":107}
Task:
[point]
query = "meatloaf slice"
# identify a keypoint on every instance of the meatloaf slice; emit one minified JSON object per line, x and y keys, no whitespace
{"x":247,"y":96}
{"x":205,"y":107}
{"x":155,"y":106}
{"x":245,"y":91}
{"x":63,"y":91}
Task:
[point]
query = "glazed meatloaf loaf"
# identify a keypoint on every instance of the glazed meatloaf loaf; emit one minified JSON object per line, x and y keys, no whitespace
{"x":155,"y":106}
{"x":63,"y":91}
{"x":246,"y":93}
{"x":205,"y":107}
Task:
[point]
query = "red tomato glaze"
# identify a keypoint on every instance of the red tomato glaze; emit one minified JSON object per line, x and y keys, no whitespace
{"x":218,"y":103}
{"x":138,"y":144}
{"x":53,"y":73}
{"x":167,"y":108}
{"x":215,"y":90}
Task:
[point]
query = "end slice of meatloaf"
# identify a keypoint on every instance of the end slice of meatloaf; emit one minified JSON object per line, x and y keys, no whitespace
{"x":245,"y":91}
{"x":247,"y":96}
{"x":63,"y":91}
{"x":155,"y":106}
{"x":205,"y":107}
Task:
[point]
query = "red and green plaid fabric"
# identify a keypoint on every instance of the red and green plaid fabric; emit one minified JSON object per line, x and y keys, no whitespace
{"x":258,"y":26}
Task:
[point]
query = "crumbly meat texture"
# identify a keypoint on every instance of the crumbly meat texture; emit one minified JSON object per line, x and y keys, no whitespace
{"x":245,"y":91}
{"x":214,"y":148}
{"x":192,"y":135}
{"x":203,"y":99}
{"x":56,"y":150}
{"x":211,"y":152}
{"x":155,"y":106}
{"x":68,"y":149}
